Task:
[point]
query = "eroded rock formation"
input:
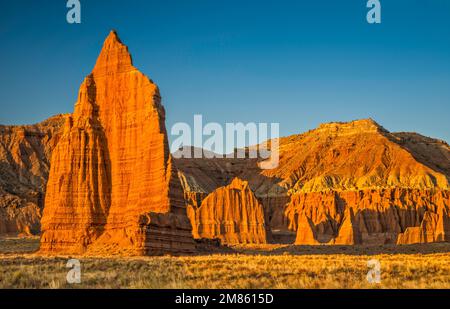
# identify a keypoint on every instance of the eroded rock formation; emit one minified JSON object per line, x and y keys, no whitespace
{"x":202,"y":176}
{"x":112,"y":187}
{"x":389,"y":181}
{"x":343,"y":183}
{"x":231,"y":214}
{"x":24,"y":166}
{"x":435,"y":227}
{"x":348,"y":233}
{"x":306,"y":234}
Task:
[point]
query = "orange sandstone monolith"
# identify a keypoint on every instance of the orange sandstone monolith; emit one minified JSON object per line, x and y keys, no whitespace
{"x":112,"y":188}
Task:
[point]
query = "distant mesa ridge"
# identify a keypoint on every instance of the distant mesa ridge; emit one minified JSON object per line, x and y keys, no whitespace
{"x":102,"y":181}
{"x":343,"y":183}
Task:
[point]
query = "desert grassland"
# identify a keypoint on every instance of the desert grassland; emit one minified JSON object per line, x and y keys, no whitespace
{"x":259,"y":267}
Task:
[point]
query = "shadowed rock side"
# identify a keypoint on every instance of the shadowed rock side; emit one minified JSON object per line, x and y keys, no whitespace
{"x":348,"y":233}
{"x":344,"y":233}
{"x":231,"y":214}
{"x":435,"y":227}
{"x":372,"y":217}
{"x":24,"y":166}
{"x":111,"y":187}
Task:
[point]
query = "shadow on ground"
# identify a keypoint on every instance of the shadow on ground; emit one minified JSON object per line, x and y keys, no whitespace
{"x":347,"y":250}
{"x":31,"y":245}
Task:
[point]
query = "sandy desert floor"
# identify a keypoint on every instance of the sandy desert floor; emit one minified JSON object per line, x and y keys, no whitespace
{"x":260,"y":267}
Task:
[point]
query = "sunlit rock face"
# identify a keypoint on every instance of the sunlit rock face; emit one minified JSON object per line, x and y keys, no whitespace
{"x":357,"y":183}
{"x":232,"y":214}
{"x":378,"y":216}
{"x":111,"y":187}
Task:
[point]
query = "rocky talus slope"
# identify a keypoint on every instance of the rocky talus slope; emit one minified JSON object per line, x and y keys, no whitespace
{"x":112,"y":187}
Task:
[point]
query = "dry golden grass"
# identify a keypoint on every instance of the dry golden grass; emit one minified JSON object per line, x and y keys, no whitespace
{"x":253,"y":267}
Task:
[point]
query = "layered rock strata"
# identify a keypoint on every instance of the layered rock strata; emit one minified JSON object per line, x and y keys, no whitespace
{"x":24,"y":166}
{"x":231,"y":214}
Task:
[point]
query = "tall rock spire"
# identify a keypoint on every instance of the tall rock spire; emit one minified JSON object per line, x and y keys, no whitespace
{"x":114,"y":57}
{"x":111,"y":186}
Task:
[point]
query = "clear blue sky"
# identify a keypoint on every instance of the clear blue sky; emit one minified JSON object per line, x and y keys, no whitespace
{"x":299,"y":63}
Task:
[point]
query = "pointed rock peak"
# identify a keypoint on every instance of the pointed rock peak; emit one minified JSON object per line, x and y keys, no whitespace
{"x":113,"y":38}
{"x":114,"y":57}
{"x":238,"y":183}
{"x":368,"y":122}
{"x":357,"y":126}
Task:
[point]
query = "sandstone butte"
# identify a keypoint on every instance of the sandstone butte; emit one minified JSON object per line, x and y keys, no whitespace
{"x":344,"y":183}
{"x":231,"y":214}
{"x":112,"y":188}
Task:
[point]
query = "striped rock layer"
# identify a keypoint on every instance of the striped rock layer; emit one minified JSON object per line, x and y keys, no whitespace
{"x":24,"y":166}
{"x":231,"y":214}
